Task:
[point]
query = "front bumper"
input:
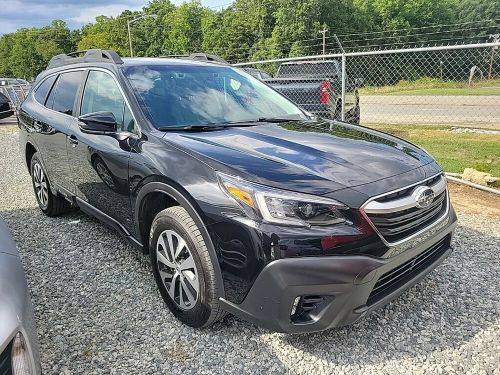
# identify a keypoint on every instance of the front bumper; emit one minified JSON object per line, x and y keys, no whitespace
{"x":338,"y":290}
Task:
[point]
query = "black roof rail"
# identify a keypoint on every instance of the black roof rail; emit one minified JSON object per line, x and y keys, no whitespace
{"x":90,"y":55}
{"x":199,"y":56}
{"x":206,"y":57}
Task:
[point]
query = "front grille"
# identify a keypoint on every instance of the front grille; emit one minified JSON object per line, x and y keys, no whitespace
{"x":405,"y":272}
{"x":397,"y":225}
{"x":5,"y":361}
{"x":401,"y":222}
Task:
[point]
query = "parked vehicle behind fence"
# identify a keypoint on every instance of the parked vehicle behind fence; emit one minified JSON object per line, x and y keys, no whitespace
{"x":257,"y":73}
{"x":18,"y":339}
{"x":245,"y":203}
{"x":5,"y":107}
{"x":15,"y":90}
{"x":316,"y":87}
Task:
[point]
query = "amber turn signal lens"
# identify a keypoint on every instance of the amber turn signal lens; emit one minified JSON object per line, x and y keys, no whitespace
{"x":241,"y":195}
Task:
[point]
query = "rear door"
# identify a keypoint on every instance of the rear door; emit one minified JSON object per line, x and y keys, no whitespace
{"x":49,"y":117}
{"x":99,"y":162}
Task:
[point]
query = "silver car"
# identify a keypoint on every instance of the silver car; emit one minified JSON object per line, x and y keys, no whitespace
{"x":19,"y":353}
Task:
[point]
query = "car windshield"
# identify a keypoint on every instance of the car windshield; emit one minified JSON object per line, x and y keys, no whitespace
{"x":191,"y":94}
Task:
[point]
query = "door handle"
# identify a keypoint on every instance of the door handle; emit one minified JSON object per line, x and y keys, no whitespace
{"x":73,"y":140}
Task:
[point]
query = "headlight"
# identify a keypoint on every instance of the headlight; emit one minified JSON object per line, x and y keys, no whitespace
{"x":281,"y":206}
{"x":21,"y":363}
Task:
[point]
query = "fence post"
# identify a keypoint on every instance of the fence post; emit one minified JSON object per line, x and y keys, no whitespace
{"x":342,"y":108}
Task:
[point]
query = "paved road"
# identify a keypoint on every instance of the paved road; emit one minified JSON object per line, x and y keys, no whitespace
{"x":452,"y":110}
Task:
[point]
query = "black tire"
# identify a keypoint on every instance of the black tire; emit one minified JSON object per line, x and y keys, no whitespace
{"x":356,"y":116}
{"x":206,"y":310}
{"x":51,"y":205}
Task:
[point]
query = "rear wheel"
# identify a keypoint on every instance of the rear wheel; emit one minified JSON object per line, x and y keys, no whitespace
{"x":356,"y":117}
{"x":183,"y":269}
{"x":50,"y":204}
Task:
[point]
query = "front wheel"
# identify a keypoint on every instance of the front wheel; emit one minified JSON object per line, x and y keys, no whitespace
{"x":50,"y":204}
{"x":183,"y":269}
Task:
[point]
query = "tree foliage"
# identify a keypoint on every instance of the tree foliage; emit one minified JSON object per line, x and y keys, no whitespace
{"x":247,"y":29}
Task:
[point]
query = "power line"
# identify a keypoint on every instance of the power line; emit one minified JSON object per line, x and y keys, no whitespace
{"x":420,"y":28}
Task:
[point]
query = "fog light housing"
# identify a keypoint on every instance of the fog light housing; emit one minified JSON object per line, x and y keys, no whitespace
{"x":294,"y":306}
{"x":20,"y":357}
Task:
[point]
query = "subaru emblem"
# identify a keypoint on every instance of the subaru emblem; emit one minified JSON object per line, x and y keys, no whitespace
{"x":424,"y":196}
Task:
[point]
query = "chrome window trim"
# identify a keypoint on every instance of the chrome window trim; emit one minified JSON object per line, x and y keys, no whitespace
{"x":418,"y":233}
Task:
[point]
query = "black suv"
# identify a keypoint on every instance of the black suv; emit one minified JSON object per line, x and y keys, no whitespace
{"x":244,"y":203}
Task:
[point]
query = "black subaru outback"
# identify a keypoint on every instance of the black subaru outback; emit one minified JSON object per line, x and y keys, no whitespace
{"x":245,"y":203}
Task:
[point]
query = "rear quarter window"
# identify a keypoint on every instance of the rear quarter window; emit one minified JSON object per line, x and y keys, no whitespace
{"x":42,"y":91}
{"x":66,"y":90}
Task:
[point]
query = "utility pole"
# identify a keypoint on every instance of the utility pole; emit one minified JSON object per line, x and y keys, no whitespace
{"x":324,"y":39}
{"x":496,"y":39}
{"x":130,"y":22}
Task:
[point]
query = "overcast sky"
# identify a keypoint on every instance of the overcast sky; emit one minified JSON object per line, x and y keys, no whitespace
{"x":15,"y":14}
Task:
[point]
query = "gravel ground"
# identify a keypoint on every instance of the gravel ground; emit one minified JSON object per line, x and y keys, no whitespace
{"x":98,"y":310}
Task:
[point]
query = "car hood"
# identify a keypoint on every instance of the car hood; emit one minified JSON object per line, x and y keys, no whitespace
{"x":309,"y":156}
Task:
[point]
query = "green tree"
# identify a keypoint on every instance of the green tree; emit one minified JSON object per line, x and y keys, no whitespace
{"x":185,"y":34}
{"x":477,"y":10}
{"x":152,"y":32}
{"x":29,"y":50}
{"x":297,"y":25}
{"x":6,"y":44}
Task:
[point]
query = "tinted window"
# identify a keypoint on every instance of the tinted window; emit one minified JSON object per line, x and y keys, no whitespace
{"x":43,"y":90}
{"x":66,"y":90}
{"x":309,"y":69}
{"x":183,"y":95}
{"x":102,"y":94}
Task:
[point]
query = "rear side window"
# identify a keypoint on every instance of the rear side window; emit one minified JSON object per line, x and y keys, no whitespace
{"x":43,"y":90}
{"x":66,"y":91}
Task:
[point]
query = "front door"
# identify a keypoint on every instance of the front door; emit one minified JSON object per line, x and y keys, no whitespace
{"x":99,"y":162}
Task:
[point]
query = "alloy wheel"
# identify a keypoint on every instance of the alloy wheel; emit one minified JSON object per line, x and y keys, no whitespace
{"x":177,"y":269}
{"x":41,"y":187}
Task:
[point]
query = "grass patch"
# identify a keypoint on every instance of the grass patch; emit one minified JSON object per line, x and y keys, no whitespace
{"x":434,"y":86}
{"x":453,"y":151}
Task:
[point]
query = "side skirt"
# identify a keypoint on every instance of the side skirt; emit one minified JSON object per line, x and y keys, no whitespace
{"x":101,"y":216}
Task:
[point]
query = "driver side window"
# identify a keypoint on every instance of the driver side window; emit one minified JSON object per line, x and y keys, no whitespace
{"x":102,"y":94}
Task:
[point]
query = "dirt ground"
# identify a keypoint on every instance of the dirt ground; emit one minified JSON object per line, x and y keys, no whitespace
{"x":470,"y":200}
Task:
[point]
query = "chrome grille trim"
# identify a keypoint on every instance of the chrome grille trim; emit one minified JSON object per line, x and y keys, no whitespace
{"x":374,"y":207}
{"x":371,"y":206}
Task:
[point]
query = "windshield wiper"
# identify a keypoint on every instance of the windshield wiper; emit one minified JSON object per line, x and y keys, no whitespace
{"x":198,"y":128}
{"x":277,"y":119}
{"x":222,"y":125}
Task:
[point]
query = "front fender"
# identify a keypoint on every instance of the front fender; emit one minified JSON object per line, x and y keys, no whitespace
{"x":190,"y":206}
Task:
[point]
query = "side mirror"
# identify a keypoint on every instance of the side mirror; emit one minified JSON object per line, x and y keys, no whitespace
{"x":98,"y":122}
{"x":359,"y":82}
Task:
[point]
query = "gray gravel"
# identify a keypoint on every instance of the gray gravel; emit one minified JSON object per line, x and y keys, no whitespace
{"x":99,"y":312}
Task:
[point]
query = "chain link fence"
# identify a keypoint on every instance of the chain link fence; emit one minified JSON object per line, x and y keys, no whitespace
{"x":446,"y":85}
{"x":15,"y":93}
